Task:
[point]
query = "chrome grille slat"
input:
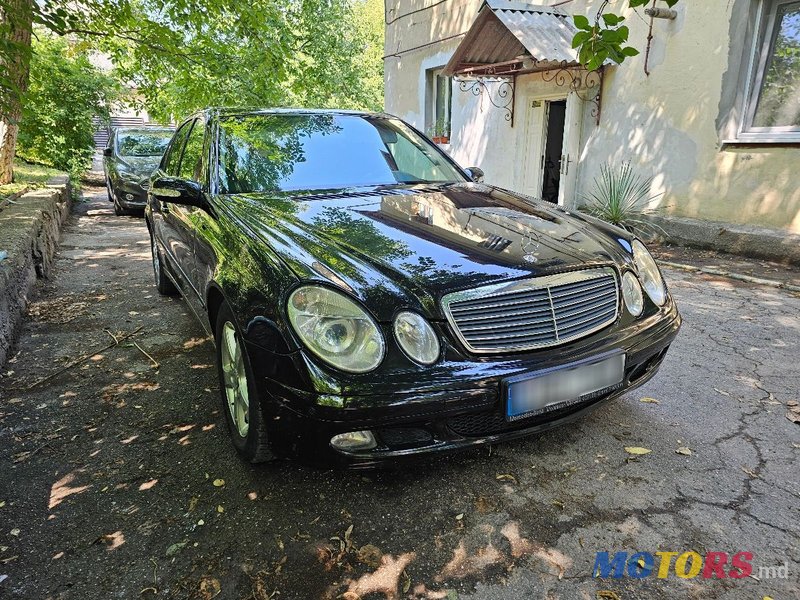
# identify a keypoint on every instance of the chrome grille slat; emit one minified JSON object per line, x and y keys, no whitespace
{"x":534,"y":313}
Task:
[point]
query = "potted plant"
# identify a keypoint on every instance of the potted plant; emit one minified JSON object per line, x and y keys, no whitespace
{"x":440,"y":132}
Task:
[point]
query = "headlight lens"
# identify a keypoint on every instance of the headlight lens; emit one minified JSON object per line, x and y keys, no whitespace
{"x":416,"y":337}
{"x":632,"y":293}
{"x":336,"y":329}
{"x":649,"y":274}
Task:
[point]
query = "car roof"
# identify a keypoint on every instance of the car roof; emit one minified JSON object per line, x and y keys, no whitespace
{"x":139,"y":129}
{"x":231,"y":111}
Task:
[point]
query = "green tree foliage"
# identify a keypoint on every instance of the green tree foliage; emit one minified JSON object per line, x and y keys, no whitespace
{"x":65,"y":93}
{"x":183,"y":55}
{"x":606,"y":37}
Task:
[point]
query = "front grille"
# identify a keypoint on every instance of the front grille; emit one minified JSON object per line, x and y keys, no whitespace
{"x":534,"y":313}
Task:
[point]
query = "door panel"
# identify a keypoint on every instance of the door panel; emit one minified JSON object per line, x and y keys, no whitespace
{"x":530,"y":175}
{"x":570,"y":151}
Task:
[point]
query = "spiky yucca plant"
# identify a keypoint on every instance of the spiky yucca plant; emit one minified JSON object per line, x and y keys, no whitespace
{"x":621,"y":196}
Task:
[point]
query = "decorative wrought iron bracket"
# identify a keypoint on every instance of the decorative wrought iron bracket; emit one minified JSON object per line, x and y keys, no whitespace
{"x":587,"y":85}
{"x":504,"y":93}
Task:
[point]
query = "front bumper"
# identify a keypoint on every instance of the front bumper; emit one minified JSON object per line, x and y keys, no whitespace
{"x":130,"y":194}
{"x":457,"y":414}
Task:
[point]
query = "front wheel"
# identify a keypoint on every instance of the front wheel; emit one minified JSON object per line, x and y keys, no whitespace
{"x":163,"y":283}
{"x":243,"y":412}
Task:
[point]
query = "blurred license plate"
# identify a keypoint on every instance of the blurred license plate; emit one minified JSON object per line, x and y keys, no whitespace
{"x":536,"y":393}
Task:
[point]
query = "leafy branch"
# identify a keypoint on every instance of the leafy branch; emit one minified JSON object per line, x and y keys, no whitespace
{"x":606,"y":37}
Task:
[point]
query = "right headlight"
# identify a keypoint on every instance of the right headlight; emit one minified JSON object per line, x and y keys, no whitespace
{"x":336,"y":329}
{"x":416,"y":337}
{"x":632,"y":293}
{"x":649,"y":274}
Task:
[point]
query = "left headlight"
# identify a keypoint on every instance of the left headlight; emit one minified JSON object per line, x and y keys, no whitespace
{"x":416,"y":337}
{"x":649,"y":274}
{"x":336,"y":329}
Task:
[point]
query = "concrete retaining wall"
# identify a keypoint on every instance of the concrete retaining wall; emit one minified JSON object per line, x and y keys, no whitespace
{"x":745,"y":240}
{"x":30,"y":230}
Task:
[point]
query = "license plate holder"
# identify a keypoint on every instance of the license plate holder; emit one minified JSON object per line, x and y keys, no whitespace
{"x":540,"y":392}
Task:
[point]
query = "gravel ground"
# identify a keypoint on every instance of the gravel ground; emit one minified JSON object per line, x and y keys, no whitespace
{"x":117,"y":479}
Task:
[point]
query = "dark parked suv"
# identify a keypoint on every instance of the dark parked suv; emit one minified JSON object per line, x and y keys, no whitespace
{"x":131,"y":156}
{"x":371,"y":300}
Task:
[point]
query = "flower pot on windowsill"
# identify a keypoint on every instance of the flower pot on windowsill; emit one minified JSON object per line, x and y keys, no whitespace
{"x":441,"y":139}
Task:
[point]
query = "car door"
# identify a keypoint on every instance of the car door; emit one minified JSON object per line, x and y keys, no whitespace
{"x":170,"y":222}
{"x":186,"y":219}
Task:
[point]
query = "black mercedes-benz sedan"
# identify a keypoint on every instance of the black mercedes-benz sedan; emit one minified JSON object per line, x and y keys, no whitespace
{"x":131,"y":156}
{"x":372,"y":300}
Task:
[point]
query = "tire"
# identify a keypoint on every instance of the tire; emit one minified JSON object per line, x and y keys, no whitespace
{"x":164,"y":285}
{"x":238,"y":391}
{"x":119,"y":210}
{"x":109,"y":191}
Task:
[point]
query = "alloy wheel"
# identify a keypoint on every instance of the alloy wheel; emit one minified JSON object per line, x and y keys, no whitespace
{"x":235,"y":377}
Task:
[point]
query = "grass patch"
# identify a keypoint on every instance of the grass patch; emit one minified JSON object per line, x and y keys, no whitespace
{"x":27,"y":176}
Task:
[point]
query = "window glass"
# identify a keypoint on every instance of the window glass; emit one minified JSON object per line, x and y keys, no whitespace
{"x":192,"y":162}
{"x":280,"y":152}
{"x":444,"y":87}
{"x":778,"y":102}
{"x":143,"y":143}
{"x":176,"y":149}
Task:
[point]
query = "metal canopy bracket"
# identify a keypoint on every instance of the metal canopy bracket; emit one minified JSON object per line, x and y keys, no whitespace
{"x":504,"y":93}
{"x":587,"y":85}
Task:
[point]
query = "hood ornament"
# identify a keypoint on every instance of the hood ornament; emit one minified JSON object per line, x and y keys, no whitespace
{"x":530,"y":248}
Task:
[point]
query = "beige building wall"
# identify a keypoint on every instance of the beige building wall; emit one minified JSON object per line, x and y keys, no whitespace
{"x":674,"y":125}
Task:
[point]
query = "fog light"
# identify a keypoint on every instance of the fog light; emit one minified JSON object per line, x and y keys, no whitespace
{"x":354,"y":440}
{"x":128,"y":197}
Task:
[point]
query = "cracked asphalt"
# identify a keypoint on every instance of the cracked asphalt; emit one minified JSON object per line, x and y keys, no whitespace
{"x":117,"y":479}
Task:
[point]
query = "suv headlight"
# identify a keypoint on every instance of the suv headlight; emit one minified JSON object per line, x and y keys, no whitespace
{"x":649,"y":274}
{"x":416,"y":337}
{"x":336,"y":329}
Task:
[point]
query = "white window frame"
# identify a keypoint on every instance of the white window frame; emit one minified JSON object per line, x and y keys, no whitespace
{"x":432,"y":83}
{"x":759,"y":56}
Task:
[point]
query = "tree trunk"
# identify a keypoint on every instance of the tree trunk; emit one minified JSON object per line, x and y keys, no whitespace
{"x":15,"y":26}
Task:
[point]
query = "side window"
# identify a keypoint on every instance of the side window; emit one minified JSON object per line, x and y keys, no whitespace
{"x":173,"y":157}
{"x":192,"y":163}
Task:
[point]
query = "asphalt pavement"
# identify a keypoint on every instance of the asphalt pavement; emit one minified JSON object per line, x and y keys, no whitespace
{"x":117,"y":479}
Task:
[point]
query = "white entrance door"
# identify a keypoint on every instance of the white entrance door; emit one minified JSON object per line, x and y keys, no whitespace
{"x":529,"y":175}
{"x":570,"y":150}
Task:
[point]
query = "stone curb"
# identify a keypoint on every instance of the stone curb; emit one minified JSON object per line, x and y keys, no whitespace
{"x":743,"y":240}
{"x":30,"y":230}
{"x":732,"y":275}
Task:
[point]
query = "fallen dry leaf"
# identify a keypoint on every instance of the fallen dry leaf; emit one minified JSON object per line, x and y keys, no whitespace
{"x":219,"y":482}
{"x":650,"y":401}
{"x":750,"y":472}
{"x":636,"y":450}
{"x":793,"y":414}
{"x":209,"y":588}
{"x":506,"y":477}
{"x":683,"y":450}
{"x":607,"y":595}
{"x":723,"y":392}
{"x":369,"y":555}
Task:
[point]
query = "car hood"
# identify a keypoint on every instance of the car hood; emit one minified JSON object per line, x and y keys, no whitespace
{"x":407,"y":246}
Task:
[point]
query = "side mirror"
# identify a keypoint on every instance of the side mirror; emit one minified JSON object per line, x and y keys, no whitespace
{"x":178,"y":191}
{"x":107,"y":152}
{"x":475,"y":173}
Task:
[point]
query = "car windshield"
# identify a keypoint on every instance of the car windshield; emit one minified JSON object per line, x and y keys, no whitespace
{"x":143,"y":143}
{"x":284,"y":152}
